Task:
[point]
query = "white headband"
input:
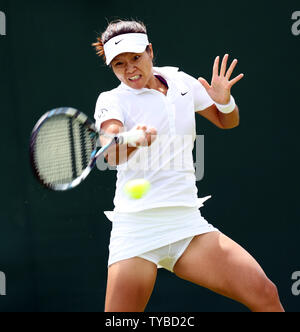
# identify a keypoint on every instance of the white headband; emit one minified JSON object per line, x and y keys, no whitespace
{"x":127,"y":43}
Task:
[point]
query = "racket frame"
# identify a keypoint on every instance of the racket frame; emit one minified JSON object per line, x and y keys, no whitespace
{"x":72,"y":113}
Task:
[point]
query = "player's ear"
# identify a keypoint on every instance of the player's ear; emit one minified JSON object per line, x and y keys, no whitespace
{"x":150,"y":51}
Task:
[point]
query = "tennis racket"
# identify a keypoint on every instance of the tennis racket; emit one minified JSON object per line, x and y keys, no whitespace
{"x":64,"y":148}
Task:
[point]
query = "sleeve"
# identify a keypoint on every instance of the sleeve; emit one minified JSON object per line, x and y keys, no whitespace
{"x":108,"y":107}
{"x":202,"y":99}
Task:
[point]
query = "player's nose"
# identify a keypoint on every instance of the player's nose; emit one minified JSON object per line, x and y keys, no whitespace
{"x":130,"y":68}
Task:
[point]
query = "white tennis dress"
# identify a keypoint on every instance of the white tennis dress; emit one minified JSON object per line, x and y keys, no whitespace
{"x":170,"y":211}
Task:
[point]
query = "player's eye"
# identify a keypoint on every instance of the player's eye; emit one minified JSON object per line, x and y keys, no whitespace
{"x":136,"y":57}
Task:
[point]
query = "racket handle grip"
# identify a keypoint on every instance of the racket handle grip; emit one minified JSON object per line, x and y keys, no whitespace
{"x":131,"y":137}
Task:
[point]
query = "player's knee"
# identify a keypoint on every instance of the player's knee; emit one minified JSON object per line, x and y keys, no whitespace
{"x":267,"y":292}
{"x":271,"y":291}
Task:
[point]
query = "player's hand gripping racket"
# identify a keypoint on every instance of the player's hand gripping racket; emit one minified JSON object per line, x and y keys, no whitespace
{"x":63,"y":148}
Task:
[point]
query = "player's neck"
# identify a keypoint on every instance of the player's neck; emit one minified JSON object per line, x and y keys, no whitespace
{"x":155,"y":84}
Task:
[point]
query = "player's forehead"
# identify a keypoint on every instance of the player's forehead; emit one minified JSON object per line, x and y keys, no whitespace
{"x":124,"y":56}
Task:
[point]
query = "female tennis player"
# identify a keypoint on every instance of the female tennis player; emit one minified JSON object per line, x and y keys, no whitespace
{"x":165,"y":227}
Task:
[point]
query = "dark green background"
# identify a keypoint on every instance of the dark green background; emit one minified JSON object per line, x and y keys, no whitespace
{"x":53,"y":246}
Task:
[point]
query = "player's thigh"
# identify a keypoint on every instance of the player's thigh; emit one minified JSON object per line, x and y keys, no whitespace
{"x":216,"y":262}
{"x":129,"y":285}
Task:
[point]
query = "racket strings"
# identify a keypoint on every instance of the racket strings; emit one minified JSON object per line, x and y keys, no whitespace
{"x":63,"y":148}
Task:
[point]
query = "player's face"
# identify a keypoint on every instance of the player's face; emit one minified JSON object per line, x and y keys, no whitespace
{"x":134,"y":69}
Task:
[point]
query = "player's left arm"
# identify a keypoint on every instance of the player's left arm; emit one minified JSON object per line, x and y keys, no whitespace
{"x":220,"y":92}
{"x":221,"y":120}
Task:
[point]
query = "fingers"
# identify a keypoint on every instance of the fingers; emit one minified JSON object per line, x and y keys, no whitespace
{"x":146,"y":129}
{"x":223,"y":73}
{"x":141,"y":127}
{"x":204,"y":83}
{"x":151,"y":131}
{"x":149,"y":137}
{"x":216,"y":67}
{"x":224,"y":65}
{"x":231,"y":68}
{"x":235,"y":80}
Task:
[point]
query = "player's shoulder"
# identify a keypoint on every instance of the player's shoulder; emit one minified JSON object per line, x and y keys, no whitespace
{"x":167,"y":72}
{"x":186,"y":77}
{"x":174,"y":73}
{"x":110,"y":95}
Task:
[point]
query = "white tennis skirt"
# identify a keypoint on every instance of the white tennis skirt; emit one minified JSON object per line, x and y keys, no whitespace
{"x":134,"y":234}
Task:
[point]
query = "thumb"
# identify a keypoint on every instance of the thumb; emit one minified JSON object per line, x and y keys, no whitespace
{"x":204,"y":83}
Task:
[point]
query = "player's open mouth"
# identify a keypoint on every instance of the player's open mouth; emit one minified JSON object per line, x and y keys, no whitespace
{"x":135,"y":78}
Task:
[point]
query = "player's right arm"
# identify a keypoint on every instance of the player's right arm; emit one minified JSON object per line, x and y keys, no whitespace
{"x":121,"y":153}
{"x":117,"y":154}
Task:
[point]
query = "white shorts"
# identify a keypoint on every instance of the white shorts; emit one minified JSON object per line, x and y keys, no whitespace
{"x":138,"y":233}
{"x":167,"y":256}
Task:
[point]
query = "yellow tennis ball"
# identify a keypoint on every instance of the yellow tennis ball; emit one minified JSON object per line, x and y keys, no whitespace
{"x":137,"y":188}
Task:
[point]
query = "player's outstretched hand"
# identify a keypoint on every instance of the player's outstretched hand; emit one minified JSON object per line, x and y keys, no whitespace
{"x":220,"y":88}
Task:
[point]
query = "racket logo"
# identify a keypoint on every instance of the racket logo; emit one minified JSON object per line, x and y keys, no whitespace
{"x":2,"y":24}
{"x":2,"y":284}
